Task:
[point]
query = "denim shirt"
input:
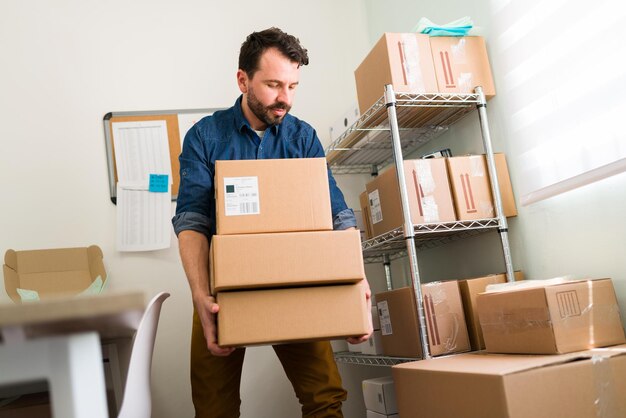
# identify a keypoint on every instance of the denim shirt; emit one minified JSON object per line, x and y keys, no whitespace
{"x":227,"y":135}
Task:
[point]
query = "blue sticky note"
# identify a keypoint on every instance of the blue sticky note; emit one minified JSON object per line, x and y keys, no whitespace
{"x":158,"y":183}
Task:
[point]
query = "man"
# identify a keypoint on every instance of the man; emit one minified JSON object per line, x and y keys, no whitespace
{"x":258,"y":126}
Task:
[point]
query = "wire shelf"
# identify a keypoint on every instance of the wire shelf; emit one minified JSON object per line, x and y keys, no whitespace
{"x":427,"y":236}
{"x":423,"y":117}
{"x":348,"y":357}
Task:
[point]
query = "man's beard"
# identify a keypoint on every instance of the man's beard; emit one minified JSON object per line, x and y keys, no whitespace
{"x":264,"y":113}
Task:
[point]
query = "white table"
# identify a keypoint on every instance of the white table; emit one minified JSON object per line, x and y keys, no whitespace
{"x":59,"y":341}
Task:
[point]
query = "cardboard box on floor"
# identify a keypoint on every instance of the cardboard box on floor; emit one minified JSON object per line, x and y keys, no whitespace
{"x":285,"y":259}
{"x":403,"y":60}
{"x":445,"y":320}
{"x":282,"y":195}
{"x":379,"y":395}
{"x":470,"y":288}
{"x":461,"y":64}
{"x":45,"y":274}
{"x":551,"y":318}
{"x":471,"y":190}
{"x":428,"y":188}
{"x":481,"y":385}
{"x":252,"y":317}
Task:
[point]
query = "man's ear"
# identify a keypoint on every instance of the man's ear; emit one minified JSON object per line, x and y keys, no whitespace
{"x":242,"y":81}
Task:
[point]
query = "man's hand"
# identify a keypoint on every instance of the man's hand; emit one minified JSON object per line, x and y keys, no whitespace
{"x":368,"y":299}
{"x":207,"y":309}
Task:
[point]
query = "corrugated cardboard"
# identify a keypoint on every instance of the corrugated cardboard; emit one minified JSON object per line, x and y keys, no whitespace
{"x":366,"y":215}
{"x":471,"y":190}
{"x":428,"y":189}
{"x":480,"y":385}
{"x":251,"y":317}
{"x":379,"y":395}
{"x":52,"y":273}
{"x":558,"y":318}
{"x":470,"y":288}
{"x":461,"y":64}
{"x":290,"y":195}
{"x":445,"y":320}
{"x":401,"y":59}
{"x":285,"y":259}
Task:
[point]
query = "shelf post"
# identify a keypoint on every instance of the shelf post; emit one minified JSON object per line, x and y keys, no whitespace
{"x":409,"y":234}
{"x":387,"y":265}
{"x":495,"y":187}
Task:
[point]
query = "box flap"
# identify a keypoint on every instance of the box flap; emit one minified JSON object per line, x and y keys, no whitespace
{"x":11,"y":283}
{"x":10,"y":259}
{"x":96,"y":263}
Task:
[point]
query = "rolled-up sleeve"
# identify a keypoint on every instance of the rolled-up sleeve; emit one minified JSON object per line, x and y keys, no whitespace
{"x":195,"y":206}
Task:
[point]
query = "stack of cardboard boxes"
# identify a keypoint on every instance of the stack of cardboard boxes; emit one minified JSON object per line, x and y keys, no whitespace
{"x":439,"y":190}
{"x":542,"y":360}
{"x":278,"y":270}
{"x":416,"y":63}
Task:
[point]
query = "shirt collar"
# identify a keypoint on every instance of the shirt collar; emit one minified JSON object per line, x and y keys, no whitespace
{"x":241,"y":122}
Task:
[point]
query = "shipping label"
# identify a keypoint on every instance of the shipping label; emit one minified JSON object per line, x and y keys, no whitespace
{"x":241,"y":196}
{"x":376,"y":210}
{"x":385,"y":318}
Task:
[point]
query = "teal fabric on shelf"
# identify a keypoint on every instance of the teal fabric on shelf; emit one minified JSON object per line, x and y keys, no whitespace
{"x":459,"y":27}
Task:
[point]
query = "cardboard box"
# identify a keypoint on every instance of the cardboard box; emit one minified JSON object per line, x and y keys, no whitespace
{"x":355,"y":348}
{"x":553,"y":318}
{"x":285,"y":259}
{"x":428,"y":188}
{"x":470,"y":288}
{"x":251,"y":317}
{"x":45,"y":274}
{"x":283,"y":195}
{"x":445,"y":320}
{"x":339,"y":345}
{"x":480,"y":385}
{"x":401,"y":59}
{"x":461,"y":64}
{"x":471,"y":189}
{"x":372,"y":414}
{"x":379,"y":395}
{"x":375,"y":318}
{"x":373,"y":346}
{"x":366,"y":215}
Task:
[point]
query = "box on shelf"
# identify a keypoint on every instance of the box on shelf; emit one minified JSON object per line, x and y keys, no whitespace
{"x":366,"y":215}
{"x":445,"y":320}
{"x":285,"y":259}
{"x":401,"y":59}
{"x":373,"y":346}
{"x":471,"y":189}
{"x":339,"y":346}
{"x":428,"y":190}
{"x":349,"y":117}
{"x":481,"y":385}
{"x":355,"y":348}
{"x":375,"y":318}
{"x":461,"y":64}
{"x":251,"y":317}
{"x":282,"y":195}
{"x":470,"y":288}
{"x":44,"y":274}
{"x":544,"y":317}
{"x":380,"y":396}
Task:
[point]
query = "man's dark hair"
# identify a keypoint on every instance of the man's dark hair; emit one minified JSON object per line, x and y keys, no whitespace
{"x":258,"y":42}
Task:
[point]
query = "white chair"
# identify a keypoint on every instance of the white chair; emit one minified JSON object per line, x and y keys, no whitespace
{"x":137,"y":399}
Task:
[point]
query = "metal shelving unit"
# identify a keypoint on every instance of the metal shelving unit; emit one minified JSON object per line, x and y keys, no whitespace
{"x":412,"y":120}
{"x":348,"y":357}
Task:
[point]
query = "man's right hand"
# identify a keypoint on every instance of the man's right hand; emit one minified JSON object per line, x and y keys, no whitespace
{"x":207,"y":310}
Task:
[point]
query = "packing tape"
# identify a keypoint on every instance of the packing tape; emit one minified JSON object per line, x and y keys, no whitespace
{"x":605,"y":397}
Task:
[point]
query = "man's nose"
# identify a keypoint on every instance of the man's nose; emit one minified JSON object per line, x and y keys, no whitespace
{"x":285,"y":95}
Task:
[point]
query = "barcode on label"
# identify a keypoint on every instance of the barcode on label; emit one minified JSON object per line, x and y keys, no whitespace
{"x":377,"y":217}
{"x":248,"y":207}
{"x":386,"y":329}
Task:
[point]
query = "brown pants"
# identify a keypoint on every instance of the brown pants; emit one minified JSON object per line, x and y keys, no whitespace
{"x":310,"y":367}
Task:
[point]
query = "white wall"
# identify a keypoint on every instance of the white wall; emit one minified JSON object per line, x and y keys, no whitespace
{"x":65,"y":64}
{"x":580,"y":233}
